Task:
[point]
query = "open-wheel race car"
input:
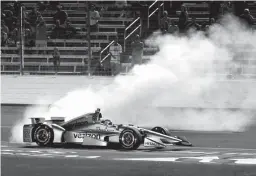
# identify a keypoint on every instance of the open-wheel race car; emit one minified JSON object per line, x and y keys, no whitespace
{"x":90,"y":130}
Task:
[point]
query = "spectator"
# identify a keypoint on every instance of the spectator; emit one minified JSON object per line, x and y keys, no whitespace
{"x":56,"y":60}
{"x":165,"y":21}
{"x":12,"y":41}
{"x":33,"y":17}
{"x":58,"y":31}
{"x":9,"y":19}
{"x":41,"y":34}
{"x":121,"y":5}
{"x":137,"y":51}
{"x":247,"y":17}
{"x":172,"y":29}
{"x":230,"y":8}
{"x":60,"y":15}
{"x":4,"y":28}
{"x":16,"y":8}
{"x":212,"y":21}
{"x":193,"y":25}
{"x":27,"y":38}
{"x":4,"y":38}
{"x":115,"y":50}
{"x":70,"y":30}
{"x":183,"y":19}
{"x":42,"y":6}
{"x":94,"y":19}
{"x":204,"y":27}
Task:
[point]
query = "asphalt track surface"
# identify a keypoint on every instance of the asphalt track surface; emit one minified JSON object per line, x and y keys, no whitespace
{"x":214,"y":154}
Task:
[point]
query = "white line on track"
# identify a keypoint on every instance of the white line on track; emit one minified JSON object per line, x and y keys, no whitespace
{"x":7,"y":150}
{"x":71,"y":156}
{"x":24,"y":154}
{"x":212,"y":148}
{"x":191,"y":152}
{"x":245,"y":161}
{"x":56,"y":152}
{"x":169,"y":159}
{"x":43,"y":155}
{"x":92,"y":157}
{"x":7,"y":153}
{"x":35,"y":151}
{"x":203,"y":159}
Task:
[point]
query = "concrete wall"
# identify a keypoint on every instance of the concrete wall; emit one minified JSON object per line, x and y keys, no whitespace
{"x":27,"y":89}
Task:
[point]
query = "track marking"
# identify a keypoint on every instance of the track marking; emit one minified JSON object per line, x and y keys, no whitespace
{"x":217,"y":148}
{"x":91,"y":157}
{"x":71,"y":156}
{"x":7,"y":150}
{"x":37,"y":151}
{"x":203,"y":159}
{"x":245,"y":161}
{"x":56,"y":152}
{"x":24,"y":154}
{"x":7,"y":153}
{"x":169,"y":159}
{"x":192,"y":152}
{"x":43,"y":155}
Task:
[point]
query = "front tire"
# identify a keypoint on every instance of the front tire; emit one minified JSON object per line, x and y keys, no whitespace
{"x":161,"y":131}
{"x":130,"y":139}
{"x":43,"y":136}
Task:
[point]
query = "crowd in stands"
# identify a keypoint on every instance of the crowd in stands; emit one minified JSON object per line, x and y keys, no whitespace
{"x":183,"y":25}
{"x":35,"y":28}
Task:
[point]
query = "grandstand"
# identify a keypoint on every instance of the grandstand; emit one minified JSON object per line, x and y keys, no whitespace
{"x":75,"y":57}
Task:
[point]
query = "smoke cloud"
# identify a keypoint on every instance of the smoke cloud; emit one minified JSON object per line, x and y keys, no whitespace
{"x":182,"y":73}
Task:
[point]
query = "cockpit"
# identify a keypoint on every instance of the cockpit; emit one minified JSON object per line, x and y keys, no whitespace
{"x":86,"y":119}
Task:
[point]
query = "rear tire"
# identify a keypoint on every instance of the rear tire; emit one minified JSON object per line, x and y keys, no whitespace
{"x":43,"y":136}
{"x":130,"y":139}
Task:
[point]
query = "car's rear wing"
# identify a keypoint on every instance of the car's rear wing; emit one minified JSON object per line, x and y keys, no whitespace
{"x":36,"y":120}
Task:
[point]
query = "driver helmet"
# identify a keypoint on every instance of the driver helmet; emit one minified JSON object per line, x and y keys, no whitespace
{"x":97,"y":110}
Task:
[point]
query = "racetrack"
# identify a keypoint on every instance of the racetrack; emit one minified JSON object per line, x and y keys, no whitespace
{"x":217,"y":153}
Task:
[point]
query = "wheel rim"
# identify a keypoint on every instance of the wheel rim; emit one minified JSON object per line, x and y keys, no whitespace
{"x":128,"y":139}
{"x":42,"y":135}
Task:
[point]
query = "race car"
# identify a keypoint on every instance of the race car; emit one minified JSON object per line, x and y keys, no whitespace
{"x":90,"y":130}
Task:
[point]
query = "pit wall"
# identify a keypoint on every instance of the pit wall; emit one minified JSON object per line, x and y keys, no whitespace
{"x":28,"y":89}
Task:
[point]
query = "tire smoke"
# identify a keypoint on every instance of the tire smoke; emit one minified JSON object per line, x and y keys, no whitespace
{"x":183,"y":73}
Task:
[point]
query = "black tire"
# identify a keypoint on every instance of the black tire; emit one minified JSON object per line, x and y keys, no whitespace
{"x":43,"y":136}
{"x":130,"y":139}
{"x":161,"y":130}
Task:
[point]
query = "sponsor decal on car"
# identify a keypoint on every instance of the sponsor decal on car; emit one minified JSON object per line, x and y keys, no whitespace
{"x":82,"y":135}
{"x":149,"y":143}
